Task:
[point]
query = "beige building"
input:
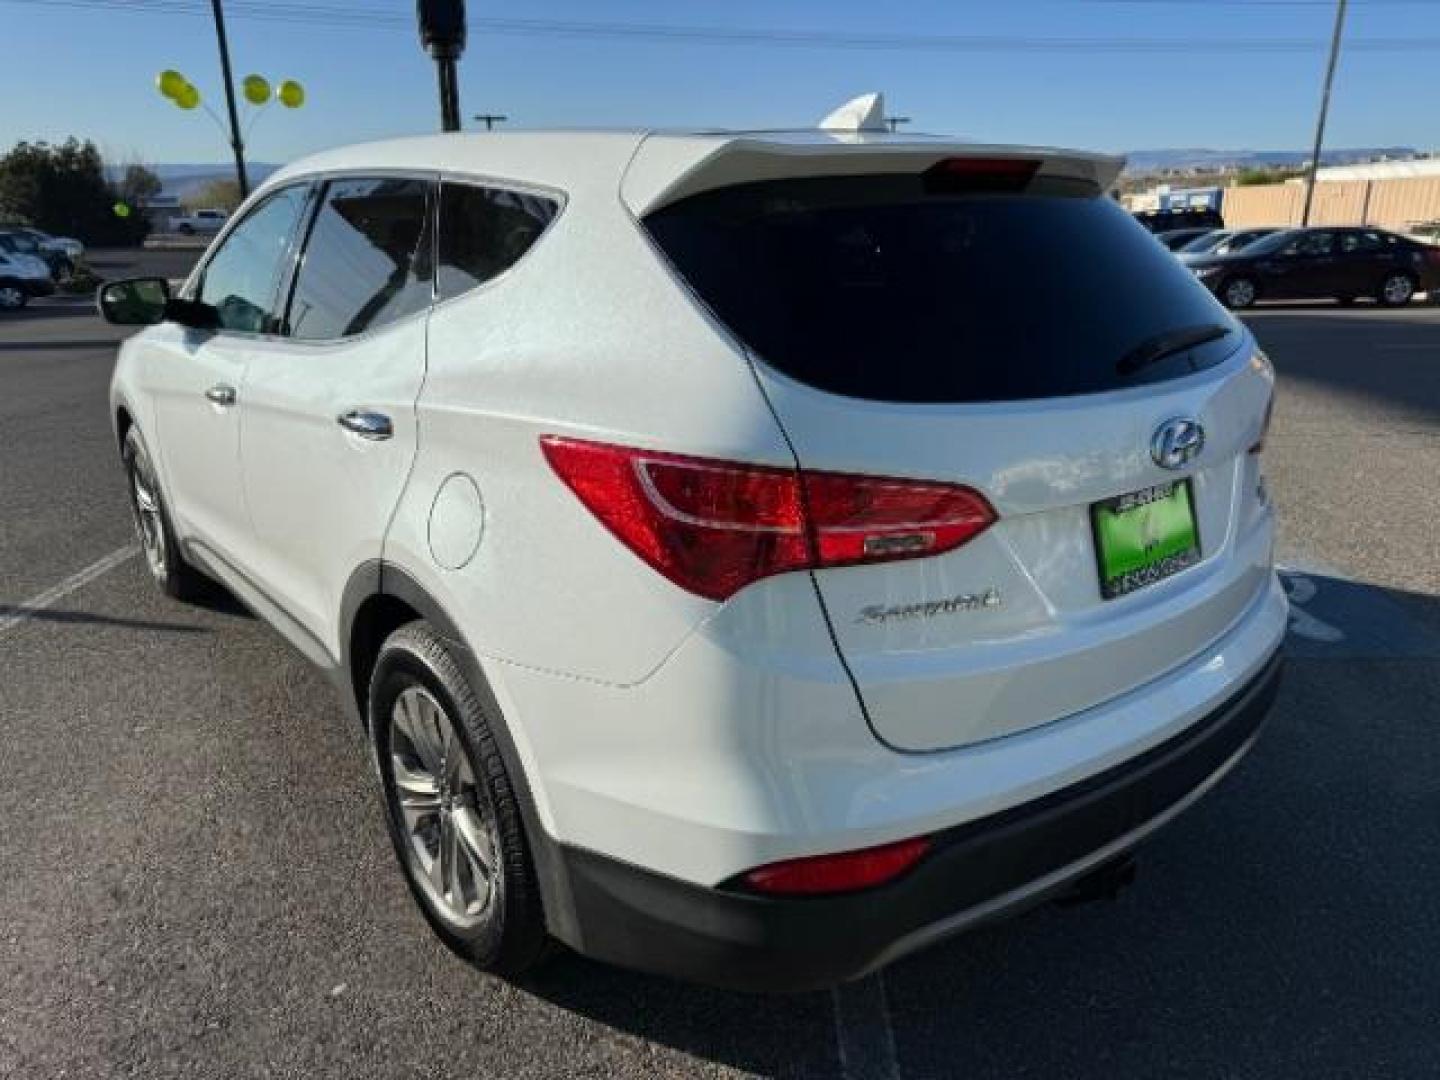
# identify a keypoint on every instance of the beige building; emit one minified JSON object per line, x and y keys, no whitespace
{"x":1400,"y":195}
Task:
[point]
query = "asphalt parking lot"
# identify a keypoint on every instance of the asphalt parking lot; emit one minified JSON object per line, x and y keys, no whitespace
{"x":197,"y":880}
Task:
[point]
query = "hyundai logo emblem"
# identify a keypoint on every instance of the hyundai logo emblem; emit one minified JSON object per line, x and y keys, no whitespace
{"x":1177,"y":442}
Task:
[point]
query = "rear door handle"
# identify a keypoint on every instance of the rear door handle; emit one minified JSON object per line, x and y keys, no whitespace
{"x":221,"y":395}
{"x":368,"y":425}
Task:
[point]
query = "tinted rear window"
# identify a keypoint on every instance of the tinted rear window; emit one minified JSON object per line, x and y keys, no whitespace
{"x":873,"y":288}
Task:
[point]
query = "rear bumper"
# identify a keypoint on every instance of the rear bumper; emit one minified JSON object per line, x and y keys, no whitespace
{"x":976,"y":872}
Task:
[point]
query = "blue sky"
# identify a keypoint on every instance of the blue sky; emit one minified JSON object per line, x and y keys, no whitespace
{"x":88,"y":71}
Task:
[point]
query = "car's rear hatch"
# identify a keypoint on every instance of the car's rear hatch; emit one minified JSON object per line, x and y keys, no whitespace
{"x":992,"y":319}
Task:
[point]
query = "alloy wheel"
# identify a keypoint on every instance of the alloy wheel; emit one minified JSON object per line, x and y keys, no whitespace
{"x":148,"y":522}
{"x":11,"y":297}
{"x":1240,"y":293}
{"x":450,"y":831}
{"x":1398,"y":289}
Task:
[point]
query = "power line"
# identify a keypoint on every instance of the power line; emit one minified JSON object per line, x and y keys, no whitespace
{"x":349,"y":18}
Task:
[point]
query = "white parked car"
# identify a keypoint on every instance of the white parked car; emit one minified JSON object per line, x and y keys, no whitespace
{"x":201,"y":221}
{"x":753,"y":557}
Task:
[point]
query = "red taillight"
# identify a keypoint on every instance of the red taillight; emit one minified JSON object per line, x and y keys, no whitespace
{"x":712,"y":527}
{"x":844,"y":872}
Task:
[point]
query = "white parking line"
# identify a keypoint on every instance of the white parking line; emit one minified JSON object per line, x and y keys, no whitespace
{"x":864,"y":1035}
{"x":62,"y":589}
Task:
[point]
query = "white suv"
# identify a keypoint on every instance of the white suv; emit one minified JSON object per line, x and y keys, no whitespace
{"x":752,"y":556}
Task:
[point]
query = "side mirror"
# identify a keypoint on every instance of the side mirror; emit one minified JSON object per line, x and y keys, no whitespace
{"x":134,"y":301}
{"x":147,"y":301}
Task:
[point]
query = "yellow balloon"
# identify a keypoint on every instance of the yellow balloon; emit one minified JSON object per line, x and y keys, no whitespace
{"x":170,"y":82}
{"x":292,"y":94}
{"x":257,"y":89}
{"x":187,"y":97}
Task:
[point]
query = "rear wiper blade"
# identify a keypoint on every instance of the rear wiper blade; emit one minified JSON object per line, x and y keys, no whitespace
{"x":1168,"y":344}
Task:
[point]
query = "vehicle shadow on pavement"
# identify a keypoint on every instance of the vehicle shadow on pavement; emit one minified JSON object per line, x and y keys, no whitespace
{"x":1386,"y":354}
{"x":779,"y":1035}
{"x":1284,"y":926}
{"x":51,"y":346}
{"x":47,"y":312}
{"x":89,"y":618}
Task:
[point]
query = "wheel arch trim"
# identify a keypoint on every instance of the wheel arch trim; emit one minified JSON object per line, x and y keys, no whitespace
{"x":377,"y":578}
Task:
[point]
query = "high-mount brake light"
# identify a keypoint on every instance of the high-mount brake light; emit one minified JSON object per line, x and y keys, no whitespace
{"x":958,"y":175}
{"x":713,"y":527}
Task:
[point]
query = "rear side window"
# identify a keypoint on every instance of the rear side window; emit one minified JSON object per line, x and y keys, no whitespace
{"x":484,"y":231}
{"x":367,"y":260}
{"x":875,"y":287}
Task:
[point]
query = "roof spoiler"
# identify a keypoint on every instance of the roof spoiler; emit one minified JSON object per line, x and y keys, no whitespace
{"x":666,"y":170}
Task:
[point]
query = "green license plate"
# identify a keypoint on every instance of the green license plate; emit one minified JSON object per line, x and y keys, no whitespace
{"x":1145,"y":536}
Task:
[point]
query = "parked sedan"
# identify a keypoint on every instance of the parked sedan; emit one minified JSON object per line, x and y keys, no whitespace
{"x":1309,"y":264}
{"x":1175,"y":239}
{"x":19,"y":242}
{"x":68,"y":246}
{"x":1221,"y":242}
{"x":21,"y":277}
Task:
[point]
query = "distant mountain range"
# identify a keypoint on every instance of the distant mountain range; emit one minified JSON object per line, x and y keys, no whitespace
{"x":1146,"y":161}
{"x":185,"y":180}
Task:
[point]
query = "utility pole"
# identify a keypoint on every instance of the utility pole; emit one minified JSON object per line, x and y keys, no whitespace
{"x":442,"y":33}
{"x":491,"y":119}
{"x":1324,"y":109}
{"x":236,"y":143}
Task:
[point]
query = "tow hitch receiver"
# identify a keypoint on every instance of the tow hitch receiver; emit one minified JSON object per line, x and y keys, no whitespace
{"x":1103,"y":883}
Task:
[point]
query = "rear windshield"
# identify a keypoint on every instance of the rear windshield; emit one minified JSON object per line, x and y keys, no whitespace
{"x":874,"y":287}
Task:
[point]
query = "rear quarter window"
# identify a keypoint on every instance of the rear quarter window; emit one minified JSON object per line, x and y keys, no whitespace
{"x":874,"y":287}
{"x":484,"y":231}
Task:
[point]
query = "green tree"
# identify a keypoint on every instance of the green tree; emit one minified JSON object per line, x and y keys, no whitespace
{"x":1254,"y":177}
{"x":62,"y":189}
{"x":217,"y":194}
{"x":138,"y":185}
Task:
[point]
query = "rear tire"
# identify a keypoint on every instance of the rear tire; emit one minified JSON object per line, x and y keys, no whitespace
{"x":451,"y":807}
{"x":176,"y":577}
{"x":1396,"y":290}
{"x":1239,"y":293}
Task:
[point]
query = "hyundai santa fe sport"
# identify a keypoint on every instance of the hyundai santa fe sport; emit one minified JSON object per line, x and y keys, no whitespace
{"x":752,"y":557}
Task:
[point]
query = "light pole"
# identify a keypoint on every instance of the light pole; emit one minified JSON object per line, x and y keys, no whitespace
{"x":442,"y":33}
{"x":236,"y":143}
{"x":1324,"y":109}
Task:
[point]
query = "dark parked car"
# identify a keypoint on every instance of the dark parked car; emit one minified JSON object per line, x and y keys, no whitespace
{"x":1307,"y":264}
{"x":1175,"y":239}
{"x":1222,"y":242}
{"x":1158,"y":221}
